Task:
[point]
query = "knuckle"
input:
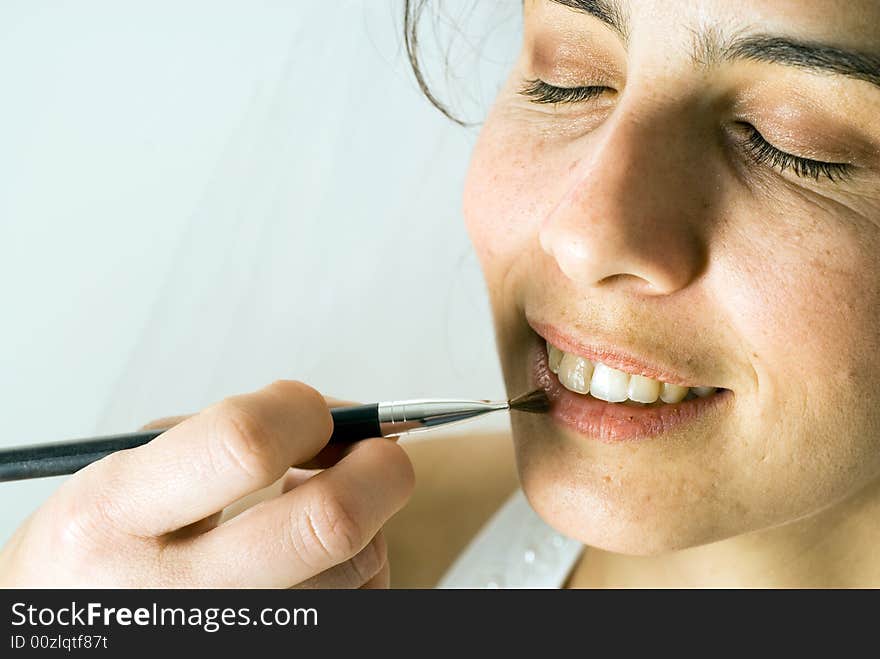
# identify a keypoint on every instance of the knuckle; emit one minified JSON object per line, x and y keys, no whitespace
{"x":243,"y":443}
{"x":326,"y":533}
{"x":86,"y":527}
{"x":75,"y":531}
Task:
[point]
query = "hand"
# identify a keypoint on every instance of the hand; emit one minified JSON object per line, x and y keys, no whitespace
{"x":150,"y":516}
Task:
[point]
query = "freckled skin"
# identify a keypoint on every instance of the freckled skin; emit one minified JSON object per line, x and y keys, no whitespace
{"x":639,"y":220}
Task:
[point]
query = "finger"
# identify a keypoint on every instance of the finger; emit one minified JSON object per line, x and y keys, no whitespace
{"x":382,"y":580}
{"x":355,"y":572}
{"x":171,"y":421}
{"x":328,"y":456}
{"x":208,"y":461}
{"x":333,"y":453}
{"x":324,"y":522}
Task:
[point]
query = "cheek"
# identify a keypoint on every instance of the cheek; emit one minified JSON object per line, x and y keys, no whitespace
{"x":806,"y":294}
{"x":504,"y":196}
{"x":802,"y":290}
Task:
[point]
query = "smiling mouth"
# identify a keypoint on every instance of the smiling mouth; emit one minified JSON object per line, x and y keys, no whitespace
{"x":598,"y":380}
{"x":613,"y":405}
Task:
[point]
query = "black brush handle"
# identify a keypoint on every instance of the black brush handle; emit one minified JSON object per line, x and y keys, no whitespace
{"x":350,"y":424}
{"x":57,"y":458}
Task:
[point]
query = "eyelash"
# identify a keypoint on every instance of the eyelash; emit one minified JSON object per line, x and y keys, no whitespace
{"x":541,"y":92}
{"x":759,"y":148}
{"x":764,"y":152}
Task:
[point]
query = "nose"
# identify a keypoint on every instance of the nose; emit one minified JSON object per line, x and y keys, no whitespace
{"x":630,"y":209}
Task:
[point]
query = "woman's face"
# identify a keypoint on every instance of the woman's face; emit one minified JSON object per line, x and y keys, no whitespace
{"x":704,"y":210}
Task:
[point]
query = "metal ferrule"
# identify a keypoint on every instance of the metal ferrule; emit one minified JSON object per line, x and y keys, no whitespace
{"x":408,"y":416}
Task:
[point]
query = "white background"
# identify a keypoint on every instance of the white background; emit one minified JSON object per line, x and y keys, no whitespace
{"x":199,"y":197}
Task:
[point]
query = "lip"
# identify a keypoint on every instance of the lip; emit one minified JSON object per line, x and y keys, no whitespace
{"x":614,"y":357}
{"x":615,"y":422}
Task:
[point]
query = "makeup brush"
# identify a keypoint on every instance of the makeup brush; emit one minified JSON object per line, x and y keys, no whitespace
{"x":389,"y":419}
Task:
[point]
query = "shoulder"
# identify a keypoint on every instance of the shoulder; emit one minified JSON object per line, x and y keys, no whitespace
{"x":461,"y":480}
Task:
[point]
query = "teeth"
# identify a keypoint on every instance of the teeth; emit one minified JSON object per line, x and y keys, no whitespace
{"x":672,"y":393}
{"x":575,"y":372}
{"x":554,"y":356}
{"x":642,"y":389}
{"x":605,"y":383}
{"x":609,"y":384}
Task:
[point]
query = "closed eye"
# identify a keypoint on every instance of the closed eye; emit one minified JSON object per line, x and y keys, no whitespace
{"x":539,"y":91}
{"x":765,"y":153}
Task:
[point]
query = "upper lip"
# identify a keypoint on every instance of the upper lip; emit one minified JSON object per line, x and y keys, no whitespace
{"x":614,"y":356}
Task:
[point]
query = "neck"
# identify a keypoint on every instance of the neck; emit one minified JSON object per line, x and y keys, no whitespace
{"x":833,"y":548}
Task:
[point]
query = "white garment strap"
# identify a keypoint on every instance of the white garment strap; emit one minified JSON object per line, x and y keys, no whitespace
{"x":514,"y":549}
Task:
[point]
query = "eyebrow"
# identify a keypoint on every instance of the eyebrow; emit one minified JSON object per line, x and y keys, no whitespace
{"x":711,"y":47}
{"x":816,"y":57}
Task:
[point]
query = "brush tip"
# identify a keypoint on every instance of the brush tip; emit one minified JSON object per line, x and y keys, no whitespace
{"x":535,"y":402}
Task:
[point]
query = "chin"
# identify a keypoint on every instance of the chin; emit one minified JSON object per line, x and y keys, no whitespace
{"x":623,"y":506}
{"x":614,"y":525}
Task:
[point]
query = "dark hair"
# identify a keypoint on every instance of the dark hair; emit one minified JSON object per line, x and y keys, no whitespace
{"x":412,"y":15}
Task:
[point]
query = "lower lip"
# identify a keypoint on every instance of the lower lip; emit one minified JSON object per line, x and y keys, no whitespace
{"x":615,"y":422}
